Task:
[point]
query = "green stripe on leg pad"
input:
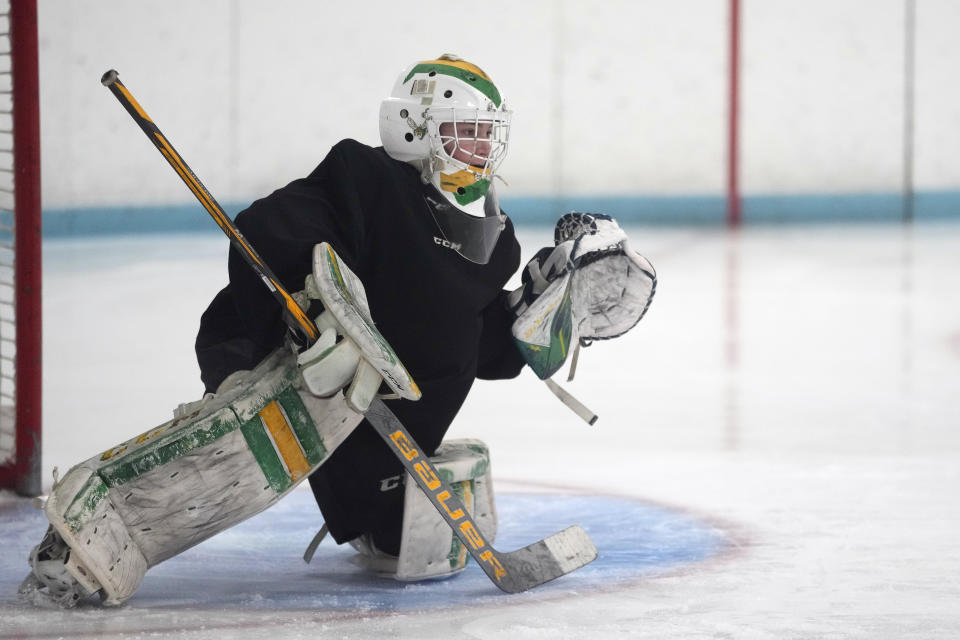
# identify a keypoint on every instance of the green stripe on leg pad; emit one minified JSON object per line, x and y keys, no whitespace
{"x":265,"y":455}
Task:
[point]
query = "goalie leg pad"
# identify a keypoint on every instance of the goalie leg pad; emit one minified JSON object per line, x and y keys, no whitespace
{"x":223,"y":460}
{"x":428,"y":547}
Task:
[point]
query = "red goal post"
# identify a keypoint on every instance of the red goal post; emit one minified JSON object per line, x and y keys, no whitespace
{"x":20,"y":251}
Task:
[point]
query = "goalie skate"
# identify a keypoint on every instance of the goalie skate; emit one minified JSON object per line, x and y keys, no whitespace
{"x":56,"y":579}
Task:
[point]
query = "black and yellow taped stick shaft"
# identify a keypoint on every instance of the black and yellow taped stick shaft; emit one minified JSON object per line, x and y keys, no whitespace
{"x":303,"y":328}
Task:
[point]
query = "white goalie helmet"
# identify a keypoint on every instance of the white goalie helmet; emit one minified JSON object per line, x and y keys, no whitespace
{"x":447,"y":118}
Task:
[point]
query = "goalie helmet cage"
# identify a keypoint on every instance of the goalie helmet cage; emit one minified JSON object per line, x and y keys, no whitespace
{"x":20,"y":227}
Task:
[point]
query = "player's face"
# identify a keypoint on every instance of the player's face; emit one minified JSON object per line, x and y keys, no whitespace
{"x":469,"y":142}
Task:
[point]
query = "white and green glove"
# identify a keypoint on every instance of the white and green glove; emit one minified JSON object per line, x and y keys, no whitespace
{"x":590,"y":286}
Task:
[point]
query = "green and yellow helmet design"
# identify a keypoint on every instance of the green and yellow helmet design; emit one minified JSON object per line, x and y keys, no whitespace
{"x":447,"y":90}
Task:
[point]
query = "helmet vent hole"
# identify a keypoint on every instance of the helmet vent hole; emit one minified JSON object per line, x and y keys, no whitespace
{"x":447,"y":93}
{"x":408,"y":137}
{"x":461,"y":190}
{"x":404,"y":113}
{"x":432,"y":73}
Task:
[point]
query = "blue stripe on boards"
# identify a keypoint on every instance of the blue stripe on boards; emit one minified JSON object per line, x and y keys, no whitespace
{"x":645,"y":209}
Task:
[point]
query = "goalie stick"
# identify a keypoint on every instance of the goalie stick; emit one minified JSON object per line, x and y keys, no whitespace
{"x":513,"y":571}
{"x":304,"y":330}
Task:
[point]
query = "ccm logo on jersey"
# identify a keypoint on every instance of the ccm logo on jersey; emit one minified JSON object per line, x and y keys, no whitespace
{"x":446,"y":243}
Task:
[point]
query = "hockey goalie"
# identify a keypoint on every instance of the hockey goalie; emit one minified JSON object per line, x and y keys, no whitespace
{"x":401,"y":253}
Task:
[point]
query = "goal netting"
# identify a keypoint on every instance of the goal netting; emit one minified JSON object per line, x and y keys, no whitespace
{"x":20,"y":320}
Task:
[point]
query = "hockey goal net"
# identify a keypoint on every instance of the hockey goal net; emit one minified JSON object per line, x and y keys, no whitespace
{"x":20,"y":317}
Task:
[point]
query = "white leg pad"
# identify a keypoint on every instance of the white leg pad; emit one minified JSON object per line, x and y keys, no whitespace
{"x":222,"y":460}
{"x":428,"y":547}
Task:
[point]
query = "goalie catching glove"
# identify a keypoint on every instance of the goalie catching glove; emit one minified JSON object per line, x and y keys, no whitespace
{"x":590,"y":286}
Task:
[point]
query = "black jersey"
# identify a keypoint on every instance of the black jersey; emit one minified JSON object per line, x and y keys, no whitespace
{"x":444,"y":315}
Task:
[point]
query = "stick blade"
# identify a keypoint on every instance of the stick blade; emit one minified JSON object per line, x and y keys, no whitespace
{"x":548,"y":559}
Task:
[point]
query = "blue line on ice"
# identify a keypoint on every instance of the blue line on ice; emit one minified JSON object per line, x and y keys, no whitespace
{"x":258,"y":563}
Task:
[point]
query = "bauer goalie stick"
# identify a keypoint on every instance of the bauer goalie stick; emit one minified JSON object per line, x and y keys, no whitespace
{"x":512,"y":571}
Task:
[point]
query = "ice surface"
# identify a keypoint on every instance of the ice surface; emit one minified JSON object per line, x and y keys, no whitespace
{"x":787,"y":410}
{"x":257,"y":565}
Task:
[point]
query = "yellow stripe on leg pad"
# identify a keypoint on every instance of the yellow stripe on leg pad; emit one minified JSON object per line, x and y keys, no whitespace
{"x":286,"y":442}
